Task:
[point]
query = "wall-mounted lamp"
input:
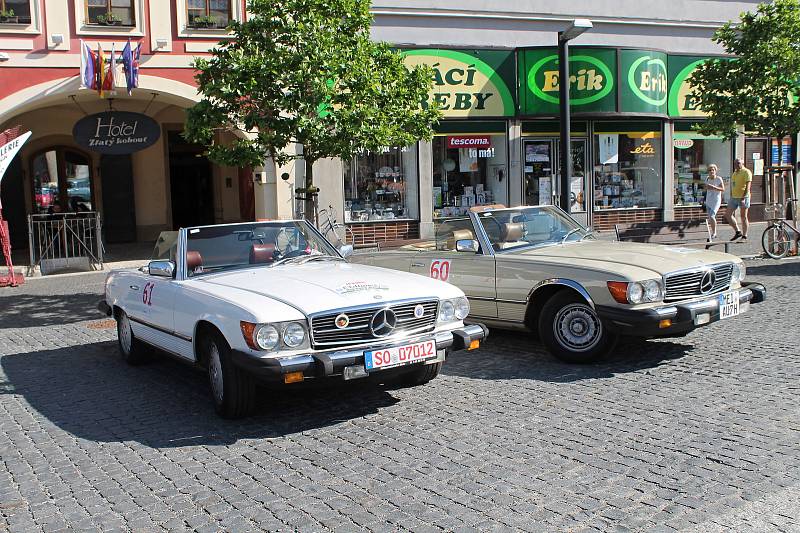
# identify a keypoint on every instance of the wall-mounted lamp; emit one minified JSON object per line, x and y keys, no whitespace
{"x":4,"y":56}
{"x":161,"y":43}
{"x":57,"y":38}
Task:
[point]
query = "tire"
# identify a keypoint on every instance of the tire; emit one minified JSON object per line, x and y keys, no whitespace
{"x":775,"y":241}
{"x":422,"y":375}
{"x":133,"y":351}
{"x":232,"y":389}
{"x":572,"y":331}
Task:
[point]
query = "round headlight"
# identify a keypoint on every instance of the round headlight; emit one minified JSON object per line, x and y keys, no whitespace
{"x":446,"y":311}
{"x":294,"y":335}
{"x":652,"y":290}
{"x":635,"y":293}
{"x":267,"y":337}
{"x":462,"y":308}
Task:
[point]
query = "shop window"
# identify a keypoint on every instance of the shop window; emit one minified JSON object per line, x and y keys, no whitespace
{"x":15,"y":11}
{"x":61,"y":182}
{"x":110,"y":12}
{"x":468,"y":170}
{"x":693,"y":153}
{"x":382,"y":185}
{"x":208,"y":13}
{"x":627,"y":166}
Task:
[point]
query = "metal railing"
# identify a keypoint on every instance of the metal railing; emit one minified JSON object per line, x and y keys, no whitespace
{"x":65,"y":240}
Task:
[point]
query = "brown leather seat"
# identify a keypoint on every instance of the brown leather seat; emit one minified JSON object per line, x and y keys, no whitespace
{"x":262,"y":253}
{"x":194,"y":261}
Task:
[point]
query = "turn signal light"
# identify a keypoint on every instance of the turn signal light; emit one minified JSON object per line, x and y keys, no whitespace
{"x":665,"y":323}
{"x":474,"y":345}
{"x":293,"y":377}
{"x":619,"y":291}
{"x":247,"y":331}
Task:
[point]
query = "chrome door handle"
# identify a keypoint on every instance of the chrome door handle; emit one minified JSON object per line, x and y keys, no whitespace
{"x":417,"y":264}
{"x":134,"y":287}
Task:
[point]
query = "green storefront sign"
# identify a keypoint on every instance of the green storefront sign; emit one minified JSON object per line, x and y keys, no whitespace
{"x":592,"y":80}
{"x":644,"y":86}
{"x":681,"y":102}
{"x":469,"y":83}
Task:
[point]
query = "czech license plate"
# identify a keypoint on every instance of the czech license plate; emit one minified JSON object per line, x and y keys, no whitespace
{"x":728,"y":305}
{"x":399,"y":355}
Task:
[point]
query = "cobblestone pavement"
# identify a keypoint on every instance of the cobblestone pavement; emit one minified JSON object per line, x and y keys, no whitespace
{"x":694,"y":434}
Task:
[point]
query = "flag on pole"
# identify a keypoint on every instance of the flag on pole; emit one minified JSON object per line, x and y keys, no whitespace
{"x":128,"y":65}
{"x":137,"y":55}
{"x":101,"y":61}
{"x":109,"y":81}
{"x":88,"y":67}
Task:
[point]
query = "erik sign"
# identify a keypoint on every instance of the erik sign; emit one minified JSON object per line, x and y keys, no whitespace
{"x":468,"y":83}
{"x":116,"y":132}
{"x":591,"y":81}
{"x":646,"y":85}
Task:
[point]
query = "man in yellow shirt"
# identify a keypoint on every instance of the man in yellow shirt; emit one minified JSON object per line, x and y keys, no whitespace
{"x":741,"y":180}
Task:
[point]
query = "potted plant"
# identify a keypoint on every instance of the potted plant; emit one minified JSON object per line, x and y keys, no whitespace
{"x":109,"y":19}
{"x":204,"y":22}
{"x":8,"y":16}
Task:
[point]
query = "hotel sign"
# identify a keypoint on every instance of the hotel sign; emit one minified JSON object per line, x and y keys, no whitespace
{"x":116,"y":132}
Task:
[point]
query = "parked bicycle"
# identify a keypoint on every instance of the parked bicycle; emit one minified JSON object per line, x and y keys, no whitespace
{"x":337,"y":233}
{"x":776,"y":239}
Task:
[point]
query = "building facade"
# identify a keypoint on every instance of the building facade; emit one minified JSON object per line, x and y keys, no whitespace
{"x":635,"y":154}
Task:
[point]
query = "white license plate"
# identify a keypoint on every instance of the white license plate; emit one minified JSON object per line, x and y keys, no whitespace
{"x":728,"y":304}
{"x":399,"y":355}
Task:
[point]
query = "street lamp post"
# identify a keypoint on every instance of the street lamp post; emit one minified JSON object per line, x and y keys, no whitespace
{"x":577,"y":27}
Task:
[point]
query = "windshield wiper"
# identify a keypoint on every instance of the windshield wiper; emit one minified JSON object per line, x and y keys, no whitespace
{"x":300,"y":259}
{"x":588,"y":234}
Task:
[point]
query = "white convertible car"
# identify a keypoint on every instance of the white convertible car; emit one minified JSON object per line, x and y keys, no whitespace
{"x":274,"y":301}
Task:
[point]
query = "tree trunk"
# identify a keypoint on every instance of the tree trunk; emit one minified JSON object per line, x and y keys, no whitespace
{"x":310,"y":193}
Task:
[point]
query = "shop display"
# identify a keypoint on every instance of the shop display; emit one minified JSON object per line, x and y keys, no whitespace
{"x":633,"y":180}
{"x":376,"y":185}
{"x":468,"y":170}
{"x":693,"y":154}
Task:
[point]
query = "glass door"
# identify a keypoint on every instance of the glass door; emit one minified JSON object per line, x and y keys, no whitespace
{"x":539,"y":171}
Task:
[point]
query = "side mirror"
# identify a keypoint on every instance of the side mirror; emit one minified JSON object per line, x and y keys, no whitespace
{"x":467,"y":245}
{"x":346,"y":250}
{"x":162,"y":269}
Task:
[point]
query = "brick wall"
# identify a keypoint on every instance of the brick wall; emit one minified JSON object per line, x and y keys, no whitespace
{"x":605,"y":221}
{"x":697,"y":213}
{"x":384,"y":231}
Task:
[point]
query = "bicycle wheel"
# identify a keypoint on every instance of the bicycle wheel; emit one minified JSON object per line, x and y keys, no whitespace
{"x":775,"y":241}
{"x":342,"y":234}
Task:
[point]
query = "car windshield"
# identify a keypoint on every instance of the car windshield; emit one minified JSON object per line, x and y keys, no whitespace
{"x":231,"y":246}
{"x":509,"y":229}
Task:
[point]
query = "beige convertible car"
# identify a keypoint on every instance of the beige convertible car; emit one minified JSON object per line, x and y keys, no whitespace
{"x":535,"y":268}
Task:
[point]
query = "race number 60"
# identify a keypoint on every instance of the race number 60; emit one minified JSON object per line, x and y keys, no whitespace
{"x":440,"y":269}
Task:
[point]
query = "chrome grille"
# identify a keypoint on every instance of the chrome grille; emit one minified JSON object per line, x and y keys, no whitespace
{"x":686,"y":285}
{"x":324,"y":332}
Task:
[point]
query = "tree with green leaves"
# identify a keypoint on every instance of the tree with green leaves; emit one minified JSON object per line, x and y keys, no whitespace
{"x":306,"y":72}
{"x":758,"y":88}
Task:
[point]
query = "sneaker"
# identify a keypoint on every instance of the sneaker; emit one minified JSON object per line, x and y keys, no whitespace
{"x":736,"y":235}
{"x":744,"y":237}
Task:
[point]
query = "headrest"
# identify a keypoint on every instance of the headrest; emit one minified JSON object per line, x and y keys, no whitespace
{"x":194,"y":261}
{"x":462,"y":234}
{"x":512,"y":231}
{"x":482,"y":208}
{"x":261,"y":253}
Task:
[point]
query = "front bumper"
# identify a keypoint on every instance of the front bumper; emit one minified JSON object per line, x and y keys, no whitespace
{"x":332,"y":363}
{"x":683,"y":317}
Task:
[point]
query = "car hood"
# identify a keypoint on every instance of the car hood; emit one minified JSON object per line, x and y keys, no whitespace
{"x":323,"y":286}
{"x":616,"y":256}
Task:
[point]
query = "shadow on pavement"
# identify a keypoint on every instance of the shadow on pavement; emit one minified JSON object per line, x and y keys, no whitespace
{"x":34,"y":310}
{"x":89,"y":392}
{"x":774,"y":267}
{"x":518,"y":355}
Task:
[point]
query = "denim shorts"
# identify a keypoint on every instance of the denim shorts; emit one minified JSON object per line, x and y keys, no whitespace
{"x":736,"y":203}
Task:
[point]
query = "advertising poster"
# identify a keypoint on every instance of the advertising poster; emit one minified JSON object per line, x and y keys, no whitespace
{"x":576,"y":194}
{"x":609,"y":149}
{"x":545,"y":190}
{"x":467,"y":160}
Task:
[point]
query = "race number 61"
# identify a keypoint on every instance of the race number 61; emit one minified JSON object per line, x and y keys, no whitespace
{"x":440,"y":269}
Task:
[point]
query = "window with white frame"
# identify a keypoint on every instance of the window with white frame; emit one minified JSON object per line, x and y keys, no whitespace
{"x":15,"y":11}
{"x":208,"y":13}
{"x":110,"y":12}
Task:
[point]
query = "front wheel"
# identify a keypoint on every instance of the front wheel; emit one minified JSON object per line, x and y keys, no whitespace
{"x":570,"y":328}
{"x":775,"y":241}
{"x":133,"y":351}
{"x":232,"y":388}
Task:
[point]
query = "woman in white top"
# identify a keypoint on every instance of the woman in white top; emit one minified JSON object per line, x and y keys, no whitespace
{"x":714,"y":189}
